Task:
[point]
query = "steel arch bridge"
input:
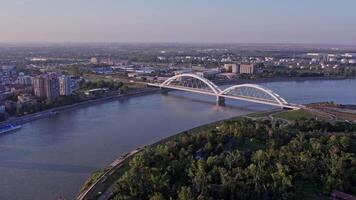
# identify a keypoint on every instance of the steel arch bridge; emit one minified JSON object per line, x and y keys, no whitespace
{"x":245,"y":92}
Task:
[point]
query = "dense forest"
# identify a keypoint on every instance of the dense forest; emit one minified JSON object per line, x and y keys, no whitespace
{"x":246,"y":159}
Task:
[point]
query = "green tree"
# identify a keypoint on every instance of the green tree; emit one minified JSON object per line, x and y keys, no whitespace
{"x":185,"y":193}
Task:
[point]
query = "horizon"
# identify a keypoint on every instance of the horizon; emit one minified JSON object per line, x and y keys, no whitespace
{"x":331,"y":45}
{"x":158,"y":21}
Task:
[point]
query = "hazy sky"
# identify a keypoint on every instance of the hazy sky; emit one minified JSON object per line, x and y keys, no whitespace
{"x":257,"y":21}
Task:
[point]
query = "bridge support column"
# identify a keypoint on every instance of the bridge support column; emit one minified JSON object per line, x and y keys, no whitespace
{"x":220,"y":100}
{"x":164,"y":91}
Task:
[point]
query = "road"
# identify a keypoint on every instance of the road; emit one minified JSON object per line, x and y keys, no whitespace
{"x":113,"y":167}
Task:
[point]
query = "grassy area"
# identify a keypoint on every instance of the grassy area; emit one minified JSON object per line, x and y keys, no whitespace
{"x":258,"y":115}
{"x":135,"y":85}
{"x":94,"y":177}
{"x":299,"y":114}
{"x":341,"y":112}
{"x":342,"y":115}
{"x":262,"y":114}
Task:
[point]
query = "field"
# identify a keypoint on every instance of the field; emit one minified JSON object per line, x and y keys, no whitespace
{"x":300,"y":114}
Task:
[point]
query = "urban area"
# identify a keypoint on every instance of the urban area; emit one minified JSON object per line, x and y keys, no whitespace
{"x":38,"y":79}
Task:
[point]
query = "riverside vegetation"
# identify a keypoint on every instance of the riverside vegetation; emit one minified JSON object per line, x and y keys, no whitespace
{"x":246,"y":159}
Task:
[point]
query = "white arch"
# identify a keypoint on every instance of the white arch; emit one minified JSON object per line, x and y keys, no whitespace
{"x":211,"y":85}
{"x":272,"y":94}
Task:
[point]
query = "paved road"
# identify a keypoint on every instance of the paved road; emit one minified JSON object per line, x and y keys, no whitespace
{"x":114,"y":166}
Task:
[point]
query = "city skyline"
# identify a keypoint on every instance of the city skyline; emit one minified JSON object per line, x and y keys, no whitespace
{"x":316,"y":22}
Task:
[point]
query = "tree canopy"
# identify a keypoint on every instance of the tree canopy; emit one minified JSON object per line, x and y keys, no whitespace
{"x":246,"y":159}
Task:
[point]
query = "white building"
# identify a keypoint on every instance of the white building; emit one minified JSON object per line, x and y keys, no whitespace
{"x":349,"y":55}
{"x":352,"y":61}
{"x":235,"y":69}
{"x":93,"y":60}
{"x":247,"y":69}
{"x":230,"y":67}
{"x":65,"y":87}
{"x":24,"y":80}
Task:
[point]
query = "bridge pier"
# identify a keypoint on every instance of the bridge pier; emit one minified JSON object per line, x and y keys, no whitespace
{"x":220,"y":100}
{"x":164,"y":91}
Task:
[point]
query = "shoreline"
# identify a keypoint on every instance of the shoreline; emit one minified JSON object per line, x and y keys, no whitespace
{"x":93,"y":191}
{"x":118,"y":163}
{"x":53,"y":111}
{"x":126,"y":156}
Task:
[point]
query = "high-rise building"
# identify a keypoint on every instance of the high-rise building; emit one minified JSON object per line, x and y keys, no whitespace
{"x":39,"y":86}
{"x":234,"y":68}
{"x":229,"y":67}
{"x":2,"y":109}
{"x":65,"y":88}
{"x":24,"y":80}
{"x":52,"y":87}
{"x":247,"y":69}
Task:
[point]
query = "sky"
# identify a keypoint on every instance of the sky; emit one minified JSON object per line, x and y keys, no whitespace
{"x":201,"y":21}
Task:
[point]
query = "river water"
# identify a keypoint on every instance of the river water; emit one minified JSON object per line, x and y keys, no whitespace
{"x":52,"y":157}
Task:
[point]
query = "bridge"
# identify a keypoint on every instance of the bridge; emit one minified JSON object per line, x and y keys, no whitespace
{"x":244,"y":92}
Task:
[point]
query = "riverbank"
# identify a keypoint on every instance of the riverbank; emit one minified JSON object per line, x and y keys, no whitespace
{"x":101,"y":180}
{"x":281,"y":79}
{"x":252,"y":143}
{"x":54,"y":111}
{"x":103,"y":186}
{"x":47,"y":113}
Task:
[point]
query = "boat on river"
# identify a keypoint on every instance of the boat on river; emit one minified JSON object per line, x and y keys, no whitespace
{"x":9,"y":128}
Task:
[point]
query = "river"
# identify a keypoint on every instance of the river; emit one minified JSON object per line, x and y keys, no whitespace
{"x":52,"y":157}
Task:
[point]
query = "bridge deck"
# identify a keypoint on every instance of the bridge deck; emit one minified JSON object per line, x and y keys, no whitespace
{"x":237,"y":97}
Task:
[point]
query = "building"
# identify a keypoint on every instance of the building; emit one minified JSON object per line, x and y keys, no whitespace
{"x":247,"y":69}
{"x":8,"y":70}
{"x":352,"y":61}
{"x":229,"y":67}
{"x":211,"y":73}
{"x":24,"y":80}
{"x":2,"y":108}
{"x":65,"y":87}
{"x":183,"y":71}
{"x":97,"y":91}
{"x":235,"y":69}
{"x":93,"y":60}
{"x":4,"y":95}
{"x":52,"y":87}
{"x":6,"y":74}
{"x":107,"y":61}
{"x":25,"y":100}
{"x":39,"y":86}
